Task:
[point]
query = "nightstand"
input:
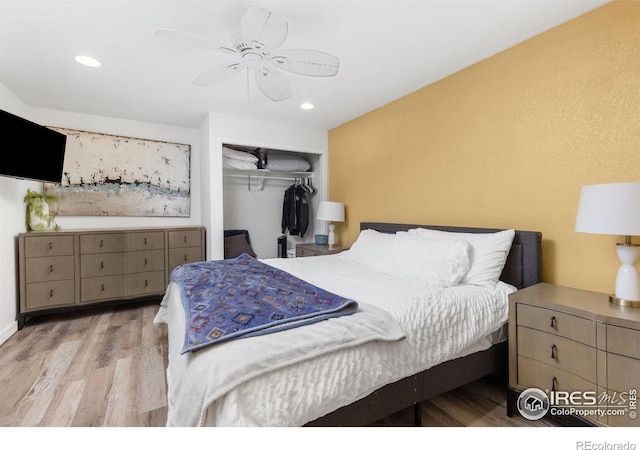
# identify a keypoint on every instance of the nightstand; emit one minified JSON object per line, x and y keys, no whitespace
{"x":316,"y":250}
{"x":581,"y":350}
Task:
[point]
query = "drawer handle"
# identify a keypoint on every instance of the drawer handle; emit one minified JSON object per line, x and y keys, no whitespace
{"x":554,"y":323}
{"x":145,"y":241}
{"x":50,"y":245}
{"x":102,"y":288}
{"x":146,"y":283}
{"x":145,"y":261}
{"x":185,"y":257}
{"x":102,"y":264}
{"x":51,"y":268}
{"x":554,"y":352}
{"x":185,"y":238}
{"x":554,"y":384}
{"x":51,"y":293}
{"x":101,"y":242}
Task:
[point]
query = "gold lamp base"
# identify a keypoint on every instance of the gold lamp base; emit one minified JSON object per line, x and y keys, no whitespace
{"x":623,"y":302}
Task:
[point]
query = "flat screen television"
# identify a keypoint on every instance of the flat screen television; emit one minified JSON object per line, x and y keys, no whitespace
{"x":34,"y":153}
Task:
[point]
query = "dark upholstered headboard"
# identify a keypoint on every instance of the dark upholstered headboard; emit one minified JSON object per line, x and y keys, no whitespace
{"x":524,"y":263}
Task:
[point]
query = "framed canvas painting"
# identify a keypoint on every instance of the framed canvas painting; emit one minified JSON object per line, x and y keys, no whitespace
{"x":106,"y":175}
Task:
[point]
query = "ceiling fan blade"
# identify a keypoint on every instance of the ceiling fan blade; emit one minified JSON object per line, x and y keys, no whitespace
{"x":217,"y":74}
{"x":273,"y":84}
{"x":306,"y":62}
{"x":263,"y":29}
{"x":190,"y":40}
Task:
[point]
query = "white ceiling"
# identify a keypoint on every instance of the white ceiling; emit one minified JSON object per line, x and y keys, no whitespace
{"x":387,"y":49}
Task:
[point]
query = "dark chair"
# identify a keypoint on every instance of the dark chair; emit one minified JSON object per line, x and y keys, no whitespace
{"x":237,"y":242}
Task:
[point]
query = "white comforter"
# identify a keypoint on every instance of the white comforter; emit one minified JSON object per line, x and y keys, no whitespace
{"x":403,"y":328}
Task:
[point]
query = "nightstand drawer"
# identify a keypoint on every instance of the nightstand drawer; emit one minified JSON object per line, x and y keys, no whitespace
{"x":533,"y":373}
{"x":559,"y":352}
{"x":558,"y":323}
{"x":623,"y":341}
{"x":622,"y":373}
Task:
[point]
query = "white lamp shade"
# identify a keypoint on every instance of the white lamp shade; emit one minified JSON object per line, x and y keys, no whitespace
{"x":612,"y":208}
{"x":331,"y":211}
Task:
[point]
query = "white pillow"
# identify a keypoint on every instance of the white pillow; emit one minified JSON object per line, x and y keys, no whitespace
{"x":237,"y":154}
{"x":488,"y":253}
{"x":439,"y":262}
{"x":370,"y":247}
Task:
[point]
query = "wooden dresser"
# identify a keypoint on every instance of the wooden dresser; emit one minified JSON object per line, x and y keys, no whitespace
{"x":62,"y":270}
{"x":575,"y":343}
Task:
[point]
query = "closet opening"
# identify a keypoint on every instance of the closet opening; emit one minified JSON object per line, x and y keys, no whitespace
{"x":273,"y":194}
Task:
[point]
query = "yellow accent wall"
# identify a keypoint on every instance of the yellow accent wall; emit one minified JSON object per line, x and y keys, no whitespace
{"x":507,"y":143}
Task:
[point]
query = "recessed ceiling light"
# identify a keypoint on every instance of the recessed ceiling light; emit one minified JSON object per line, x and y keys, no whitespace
{"x":307,"y":106}
{"x":88,"y":61}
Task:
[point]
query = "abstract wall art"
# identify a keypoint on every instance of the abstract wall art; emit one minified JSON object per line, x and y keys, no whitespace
{"x":106,"y":175}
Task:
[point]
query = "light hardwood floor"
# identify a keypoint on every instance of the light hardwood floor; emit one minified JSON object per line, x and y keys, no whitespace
{"x":107,"y":368}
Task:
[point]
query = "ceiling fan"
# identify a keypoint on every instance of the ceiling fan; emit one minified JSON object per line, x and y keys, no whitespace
{"x":255,"y":49}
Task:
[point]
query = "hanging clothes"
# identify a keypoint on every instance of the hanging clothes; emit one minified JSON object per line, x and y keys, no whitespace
{"x":295,"y":210}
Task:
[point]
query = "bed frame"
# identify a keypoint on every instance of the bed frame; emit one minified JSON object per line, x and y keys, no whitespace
{"x":523,"y":268}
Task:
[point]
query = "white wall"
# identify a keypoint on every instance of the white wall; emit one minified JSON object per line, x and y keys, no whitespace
{"x":12,"y":190}
{"x":241,"y":131}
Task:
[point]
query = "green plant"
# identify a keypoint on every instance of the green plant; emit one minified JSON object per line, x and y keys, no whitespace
{"x":41,"y":211}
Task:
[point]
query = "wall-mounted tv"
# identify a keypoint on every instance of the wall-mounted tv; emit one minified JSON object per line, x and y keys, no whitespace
{"x":34,"y":153}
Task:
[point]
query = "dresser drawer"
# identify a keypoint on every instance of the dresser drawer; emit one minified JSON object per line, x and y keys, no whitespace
{"x":50,"y":268}
{"x":153,"y":240}
{"x":623,"y":401}
{"x":533,"y":373}
{"x":49,"y":294}
{"x":181,"y":256}
{"x":49,"y":245}
{"x":101,"y":288}
{"x":101,"y":243}
{"x":623,"y":341}
{"x":145,"y":261}
{"x":562,"y":353}
{"x":558,"y":323}
{"x":185,"y":238}
{"x":101,"y":264}
{"x":146,"y":283}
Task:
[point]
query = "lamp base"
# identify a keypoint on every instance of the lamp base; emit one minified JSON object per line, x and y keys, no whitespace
{"x":623,"y":302}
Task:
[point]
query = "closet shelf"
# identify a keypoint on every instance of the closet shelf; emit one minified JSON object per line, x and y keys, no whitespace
{"x":255,"y":178}
{"x":265,"y":174}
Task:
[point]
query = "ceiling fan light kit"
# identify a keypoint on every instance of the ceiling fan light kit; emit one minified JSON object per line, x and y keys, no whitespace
{"x":261,"y":33}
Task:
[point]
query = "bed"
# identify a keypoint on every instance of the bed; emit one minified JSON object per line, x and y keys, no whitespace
{"x":406,"y":343}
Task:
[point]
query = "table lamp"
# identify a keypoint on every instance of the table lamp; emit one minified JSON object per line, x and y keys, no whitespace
{"x":614,"y":208}
{"x":331,"y":212}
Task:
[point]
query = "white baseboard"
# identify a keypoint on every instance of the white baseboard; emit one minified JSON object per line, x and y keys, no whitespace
{"x":8,"y":331}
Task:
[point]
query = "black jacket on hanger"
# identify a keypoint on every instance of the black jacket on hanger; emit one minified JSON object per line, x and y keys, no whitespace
{"x":295,"y":210}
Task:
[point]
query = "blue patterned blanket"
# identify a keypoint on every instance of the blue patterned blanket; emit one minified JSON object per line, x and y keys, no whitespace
{"x":243,"y":297}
